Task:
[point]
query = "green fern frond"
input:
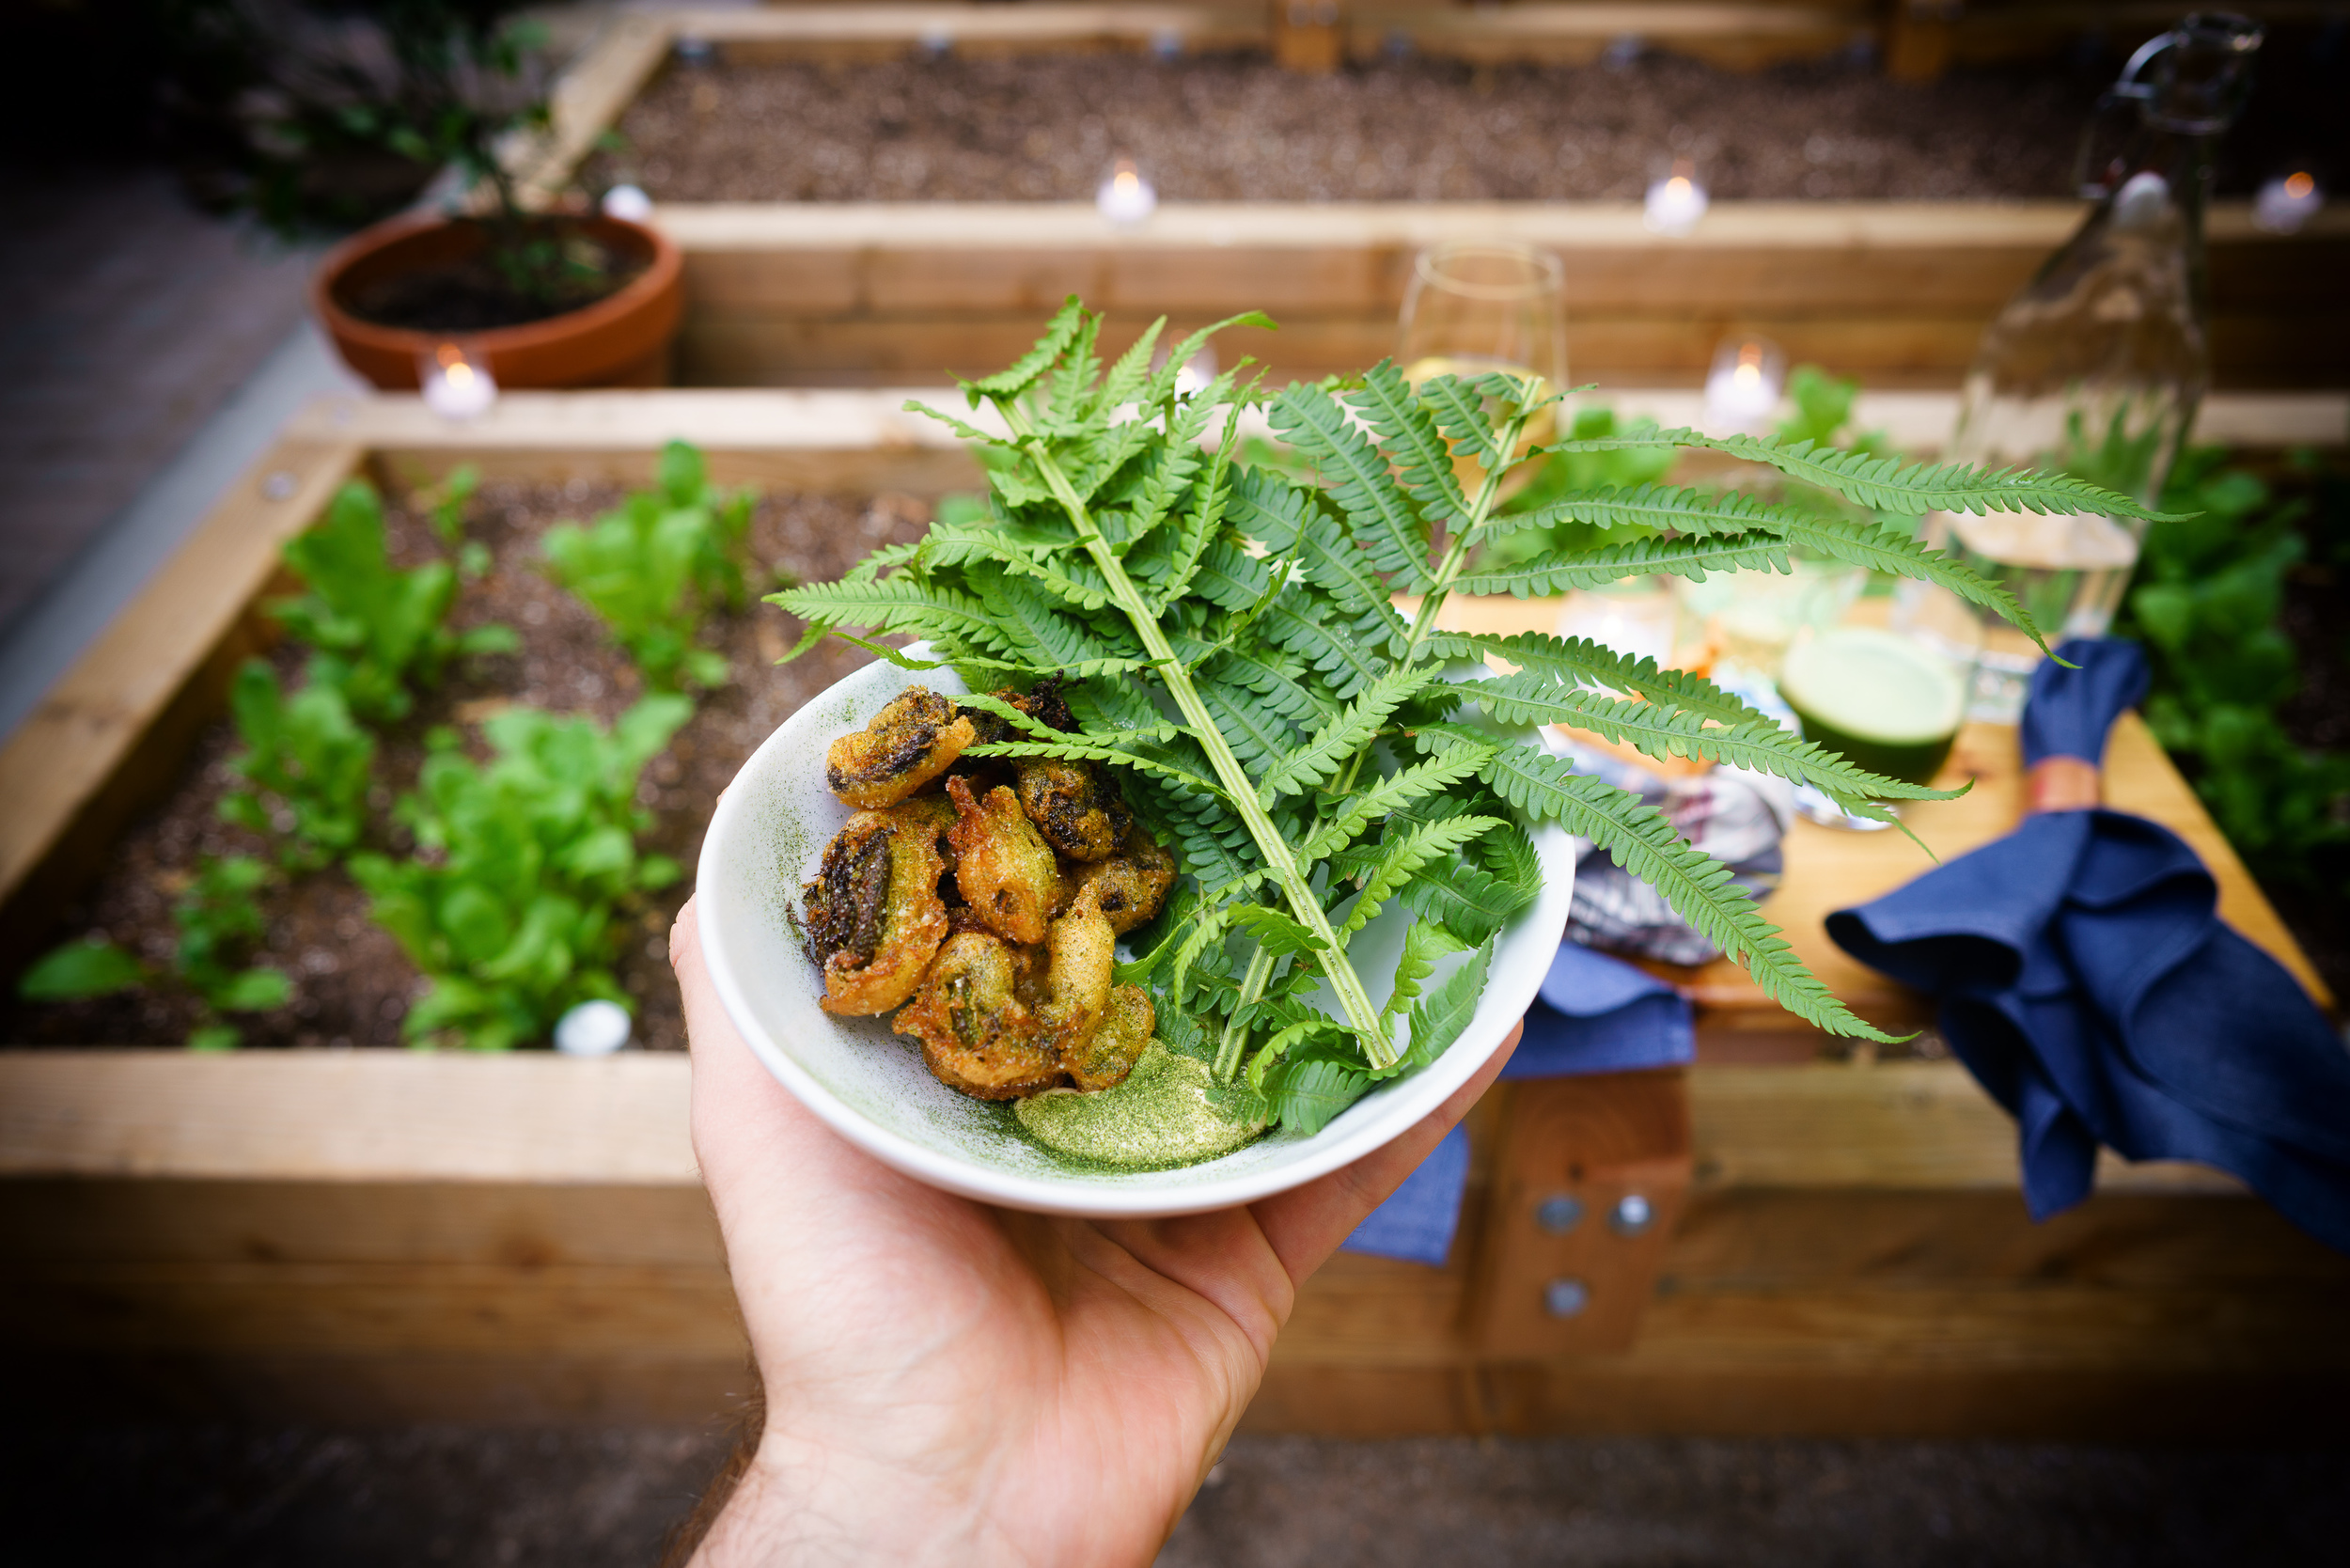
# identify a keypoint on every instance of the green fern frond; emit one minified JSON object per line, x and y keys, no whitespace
{"x":1385,"y":796}
{"x":1564,"y":570}
{"x":890,"y":605}
{"x":1901,"y":556}
{"x":1070,"y":747}
{"x":1403,"y":861}
{"x":1162,"y":383}
{"x":1579,"y":661}
{"x":1676,"y":508}
{"x":1763,"y":746}
{"x":1461,"y":412}
{"x":1383,"y":518}
{"x":1025,"y":371}
{"x":1133,"y":369}
{"x":1410,"y":437}
{"x":1343,"y":737}
{"x":1891,"y":485}
{"x":1424,"y":943}
{"x":1699,"y":887}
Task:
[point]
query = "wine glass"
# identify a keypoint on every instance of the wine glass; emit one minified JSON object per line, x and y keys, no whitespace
{"x":1479,"y":305}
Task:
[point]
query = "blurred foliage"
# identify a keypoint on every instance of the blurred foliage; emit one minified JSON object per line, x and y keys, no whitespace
{"x":219,"y":919}
{"x":377,"y":629}
{"x":305,"y":765}
{"x":2207,"y":601}
{"x":658,"y":566}
{"x":509,"y":903}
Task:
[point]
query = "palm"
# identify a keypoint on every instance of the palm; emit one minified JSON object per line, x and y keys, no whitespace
{"x":949,"y":1380}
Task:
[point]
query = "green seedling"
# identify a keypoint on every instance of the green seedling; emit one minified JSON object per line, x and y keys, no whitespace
{"x":306,"y":764}
{"x":219,"y":920}
{"x":655,"y":569}
{"x":377,"y":630}
{"x":508,"y":906}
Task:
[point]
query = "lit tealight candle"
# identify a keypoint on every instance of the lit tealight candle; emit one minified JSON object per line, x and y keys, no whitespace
{"x":2287,"y":202}
{"x":1744,"y":383}
{"x":456,"y":385}
{"x":1676,"y":202}
{"x":628,"y":203}
{"x":1126,"y":197}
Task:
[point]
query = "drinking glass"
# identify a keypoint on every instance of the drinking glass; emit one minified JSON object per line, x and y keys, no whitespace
{"x":1476,"y":305}
{"x":1889,"y":700}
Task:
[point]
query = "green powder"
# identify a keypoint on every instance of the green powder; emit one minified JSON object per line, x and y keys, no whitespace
{"x":1169,"y":1111}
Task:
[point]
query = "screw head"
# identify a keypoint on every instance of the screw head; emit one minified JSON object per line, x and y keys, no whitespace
{"x":1559,"y":1214}
{"x":1566,"y":1298}
{"x":1633,"y":1214}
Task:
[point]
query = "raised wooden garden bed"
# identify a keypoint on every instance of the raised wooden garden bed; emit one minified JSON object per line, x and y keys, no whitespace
{"x":794,"y":293}
{"x":362,"y":1235}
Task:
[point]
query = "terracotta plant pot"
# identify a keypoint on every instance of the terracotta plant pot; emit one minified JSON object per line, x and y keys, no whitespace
{"x":620,"y":340}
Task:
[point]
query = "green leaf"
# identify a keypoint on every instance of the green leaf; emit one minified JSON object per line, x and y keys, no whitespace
{"x":214,"y":1037}
{"x":1273,"y":931}
{"x":252,"y":991}
{"x":1383,"y":518}
{"x":1338,"y":741}
{"x":1580,"y":661}
{"x":1864,"y":544}
{"x":79,"y":970}
{"x":1424,"y":943}
{"x":1401,"y":861}
{"x":1306,"y":1096}
{"x":1564,"y":570}
{"x":1437,"y":1021}
{"x":1410,"y":437}
{"x":1392,"y":793}
{"x":1032,"y":367}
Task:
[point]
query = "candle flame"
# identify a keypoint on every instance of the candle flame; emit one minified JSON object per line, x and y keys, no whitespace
{"x":2299,"y":183}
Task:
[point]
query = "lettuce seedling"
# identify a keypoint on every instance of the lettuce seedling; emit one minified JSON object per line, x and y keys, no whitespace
{"x":306,"y":763}
{"x":508,"y":905}
{"x":377,"y":630}
{"x":219,"y":920}
{"x":655,"y":568}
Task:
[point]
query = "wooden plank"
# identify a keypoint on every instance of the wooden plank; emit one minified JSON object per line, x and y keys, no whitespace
{"x":589,"y":99}
{"x":345,"y":1116}
{"x":1571,"y":1150}
{"x":1894,"y":1125}
{"x":106,"y":738}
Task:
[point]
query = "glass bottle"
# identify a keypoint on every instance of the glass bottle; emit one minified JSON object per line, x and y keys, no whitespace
{"x":2097,"y":366}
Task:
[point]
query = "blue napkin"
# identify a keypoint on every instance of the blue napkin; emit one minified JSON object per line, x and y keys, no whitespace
{"x":1594,"y":1014}
{"x":2086,"y":981}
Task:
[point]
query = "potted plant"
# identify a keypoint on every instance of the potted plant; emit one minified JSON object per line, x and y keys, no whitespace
{"x":345,"y":114}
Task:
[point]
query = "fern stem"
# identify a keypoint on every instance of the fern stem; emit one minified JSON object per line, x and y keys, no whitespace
{"x":1252,"y":987}
{"x":1354,"y":1000}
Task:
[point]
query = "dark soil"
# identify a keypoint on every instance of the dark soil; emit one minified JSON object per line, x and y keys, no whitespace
{"x":547,"y":269}
{"x":1236,"y":127}
{"x":352,"y":984}
{"x":258,"y":1498}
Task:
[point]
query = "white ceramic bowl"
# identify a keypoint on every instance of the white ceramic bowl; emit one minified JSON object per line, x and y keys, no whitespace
{"x":870,"y":1086}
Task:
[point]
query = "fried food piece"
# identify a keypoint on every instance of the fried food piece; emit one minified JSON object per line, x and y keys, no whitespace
{"x":1127,"y":1020}
{"x":904,"y":747}
{"x":1081,"y":949}
{"x":874,"y":916}
{"x":1131,"y":886}
{"x":977,"y":1035}
{"x":1007,"y":873}
{"x":1079,"y":813}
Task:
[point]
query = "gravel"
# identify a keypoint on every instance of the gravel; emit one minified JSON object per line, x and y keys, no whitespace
{"x":1235,"y":128}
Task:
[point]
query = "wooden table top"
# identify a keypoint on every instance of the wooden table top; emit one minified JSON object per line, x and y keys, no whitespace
{"x":1828,"y":869}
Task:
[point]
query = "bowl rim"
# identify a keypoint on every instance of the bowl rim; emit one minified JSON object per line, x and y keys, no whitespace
{"x":1076,"y":1195}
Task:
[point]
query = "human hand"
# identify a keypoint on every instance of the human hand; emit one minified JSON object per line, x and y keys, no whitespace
{"x":948,"y":1382}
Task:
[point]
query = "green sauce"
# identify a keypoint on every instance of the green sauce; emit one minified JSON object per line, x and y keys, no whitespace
{"x":1169,"y":1111}
{"x":1886,"y":703}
